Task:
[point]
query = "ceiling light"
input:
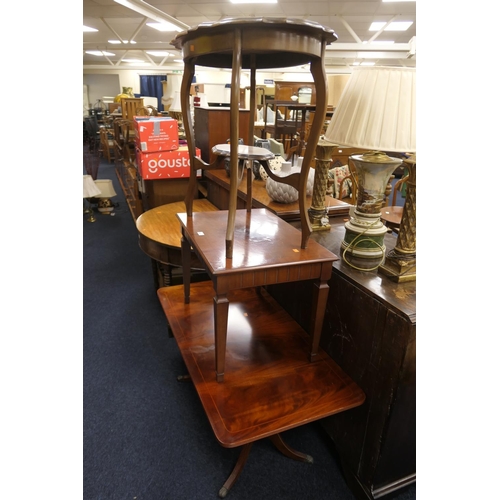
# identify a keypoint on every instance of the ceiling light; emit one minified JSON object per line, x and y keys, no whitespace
{"x":99,"y":53}
{"x":159,"y":53}
{"x":254,"y":1}
{"x":178,"y":60}
{"x":367,"y":63}
{"x":153,"y":13}
{"x":86,"y":28}
{"x":114,"y":41}
{"x":380,"y":42}
{"x":133,"y":60}
{"x":394,"y":26}
{"x":164,"y":26}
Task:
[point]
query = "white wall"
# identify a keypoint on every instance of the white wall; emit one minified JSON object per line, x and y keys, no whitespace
{"x":217,"y":77}
{"x":109,"y":82}
{"x":101,"y":85}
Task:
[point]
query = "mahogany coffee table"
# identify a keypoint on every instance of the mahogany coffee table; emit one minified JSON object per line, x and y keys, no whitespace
{"x":270,"y":385}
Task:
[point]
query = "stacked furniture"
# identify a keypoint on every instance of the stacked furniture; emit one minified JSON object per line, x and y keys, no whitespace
{"x":256,"y":371}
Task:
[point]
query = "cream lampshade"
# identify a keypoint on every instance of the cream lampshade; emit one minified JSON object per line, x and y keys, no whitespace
{"x":90,"y":190}
{"x":105,"y":205}
{"x":376,"y":112}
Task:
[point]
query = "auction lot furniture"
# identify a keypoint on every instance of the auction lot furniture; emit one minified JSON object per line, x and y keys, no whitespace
{"x":254,"y":43}
{"x":266,"y":251}
{"x":160,"y":238}
{"x":370,"y":331}
{"x":270,"y":386}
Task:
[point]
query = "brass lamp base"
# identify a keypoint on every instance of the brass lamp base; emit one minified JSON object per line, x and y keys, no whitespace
{"x":317,"y":212}
{"x":89,"y":211}
{"x":399,"y":267}
{"x":401,"y":263}
{"x":319,"y":219}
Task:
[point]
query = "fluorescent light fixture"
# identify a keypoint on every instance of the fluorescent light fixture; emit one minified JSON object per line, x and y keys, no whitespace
{"x":99,"y":53}
{"x":380,"y":42}
{"x":86,"y":28}
{"x":133,"y":60}
{"x":117,"y":42}
{"x":179,"y":60}
{"x":394,"y":26}
{"x":367,"y":63}
{"x":153,"y":13}
{"x":164,"y":26}
{"x":159,"y":53}
{"x":254,"y":1}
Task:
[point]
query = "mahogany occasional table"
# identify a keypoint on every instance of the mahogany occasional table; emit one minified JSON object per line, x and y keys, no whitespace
{"x":266,"y":252}
{"x":243,"y":249}
{"x":254,"y":43}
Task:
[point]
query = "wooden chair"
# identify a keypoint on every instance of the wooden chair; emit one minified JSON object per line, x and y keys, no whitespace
{"x":391,"y":215}
{"x":107,"y":144}
{"x":92,"y":128}
{"x":130,"y":106}
{"x":125,"y":165}
{"x":398,"y":186}
{"x":353,"y":186}
{"x":124,"y":137}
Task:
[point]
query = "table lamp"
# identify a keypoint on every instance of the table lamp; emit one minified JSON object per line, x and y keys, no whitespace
{"x":107,"y":191}
{"x":376,"y":112}
{"x":90,"y":190}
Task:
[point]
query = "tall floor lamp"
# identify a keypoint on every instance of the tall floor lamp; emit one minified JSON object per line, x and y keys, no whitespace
{"x":376,"y":112}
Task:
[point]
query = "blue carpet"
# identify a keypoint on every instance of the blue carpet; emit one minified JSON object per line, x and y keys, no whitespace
{"x":145,"y":435}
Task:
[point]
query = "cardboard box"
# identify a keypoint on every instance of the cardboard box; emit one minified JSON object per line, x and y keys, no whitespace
{"x":165,"y":164}
{"x":156,"y":133}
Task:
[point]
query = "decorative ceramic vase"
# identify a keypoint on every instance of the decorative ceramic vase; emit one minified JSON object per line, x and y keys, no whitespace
{"x":284,"y":193}
{"x":280,"y":192}
{"x":274,"y":165}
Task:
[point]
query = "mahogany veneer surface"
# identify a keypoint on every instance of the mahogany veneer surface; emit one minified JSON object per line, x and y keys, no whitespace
{"x":270,"y":385}
{"x":262,"y":241}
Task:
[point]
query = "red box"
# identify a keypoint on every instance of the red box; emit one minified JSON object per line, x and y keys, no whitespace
{"x":164,"y":164}
{"x":156,"y":133}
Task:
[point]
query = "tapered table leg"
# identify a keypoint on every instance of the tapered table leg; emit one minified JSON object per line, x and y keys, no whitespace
{"x":221,"y":310}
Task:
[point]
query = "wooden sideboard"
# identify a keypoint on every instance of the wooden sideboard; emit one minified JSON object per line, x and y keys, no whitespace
{"x":370,"y":331}
{"x":211,"y":127}
{"x":157,"y":192}
{"x":217,"y":184}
